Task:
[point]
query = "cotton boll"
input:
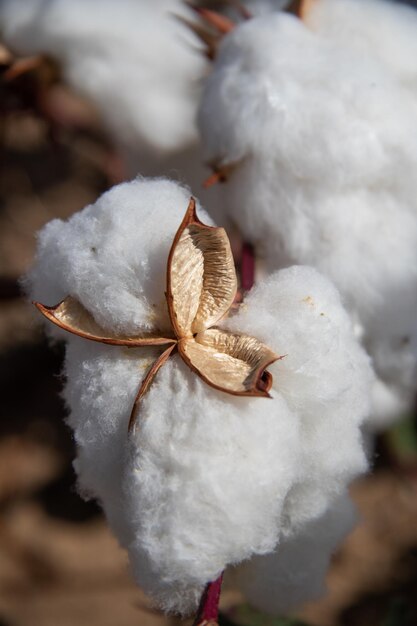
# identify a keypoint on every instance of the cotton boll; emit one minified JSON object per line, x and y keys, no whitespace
{"x":322,"y":176}
{"x":295,"y":572}
{"x":266,"y":89}
{"x":377,"y":28}
{"x":133,"y":59}
{"x":206,"y":479}
{"x":112,"y":255}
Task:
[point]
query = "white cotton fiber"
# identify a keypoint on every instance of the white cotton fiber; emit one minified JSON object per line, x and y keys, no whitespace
{"x":133,"y":58}
{"x":298,"y":313}
{"x":207,"y":479}
{"x":295,"y":572}
{"x":378,"y":28}
{"x":262,"y":7}
{"x":322,"y":137}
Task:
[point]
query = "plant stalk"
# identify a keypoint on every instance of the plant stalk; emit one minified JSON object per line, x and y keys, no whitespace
{"x":208,"y":611}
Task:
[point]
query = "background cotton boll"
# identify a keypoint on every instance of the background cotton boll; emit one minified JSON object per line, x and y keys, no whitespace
{"x":136,"y":62}
{"x":270,"y":114}
{"x":295,"y":572}
{"x":324,"y":378}
{"x":321,"y":139}
{"x":112,"y":255}
{"x":379,"y":28}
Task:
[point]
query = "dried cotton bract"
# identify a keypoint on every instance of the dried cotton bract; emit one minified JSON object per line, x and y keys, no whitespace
{"x":206,"y":478}
{"x":133,"y":58}
{"x":318,"y":140}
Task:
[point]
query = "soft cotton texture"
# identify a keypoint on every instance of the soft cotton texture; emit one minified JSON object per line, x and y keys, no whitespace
{"x":206,"y":479}
{"x":295,"y":573}
{"x":255,"y":7}
{"x":134,"y":59}
{"x":377,"y":28}
{"x":322,"y":140}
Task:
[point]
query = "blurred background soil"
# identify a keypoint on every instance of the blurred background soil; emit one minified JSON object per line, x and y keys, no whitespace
{"x":59,"y":565}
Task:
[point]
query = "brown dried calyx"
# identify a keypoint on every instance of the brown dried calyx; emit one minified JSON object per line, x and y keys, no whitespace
{"x":300,"y":8}
{"x":201,"y":287}
{"x":25,"y":81}
{"x":212,"y":25}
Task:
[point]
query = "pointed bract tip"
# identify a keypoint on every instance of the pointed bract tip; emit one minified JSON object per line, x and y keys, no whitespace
{"x":47,"y":311}
{"x":219,"y":22}
{"x":213,"y":179}
{"x":240,"y":8}
{"x":300,"y":8}
{"x":208,"y":39}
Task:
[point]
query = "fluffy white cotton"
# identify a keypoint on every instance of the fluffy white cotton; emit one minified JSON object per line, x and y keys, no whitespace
{"x":314,"y":380}
{"x":133,"y":58}
{"x":295,"y":572}
{"x":378,"y":28}
{"x":323,"y":142}
{"x":207,"y":479}
{"x":259,"y":7}
{"x":221,"y":469}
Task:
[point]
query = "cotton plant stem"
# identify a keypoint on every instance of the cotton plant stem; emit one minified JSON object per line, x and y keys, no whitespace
{"x":208,"y":611}
{"x":247,"y":267}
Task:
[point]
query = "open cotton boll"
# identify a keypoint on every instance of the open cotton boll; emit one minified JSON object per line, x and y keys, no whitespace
{"x":378,"y":28}
{"x":133,"y":58}
{"x":320,"y":138}
{"x":295,"y":573}
{"x":206,"y":479}
{"x":191,"y":498}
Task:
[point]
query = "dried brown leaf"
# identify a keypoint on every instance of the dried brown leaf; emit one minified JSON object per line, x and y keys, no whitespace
{"x":230,"y":362}
{"x":201,"y":277}
{"x":147,"y":382}
{"x":70,"y":315}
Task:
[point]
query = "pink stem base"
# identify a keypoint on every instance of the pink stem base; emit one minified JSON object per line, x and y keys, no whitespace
{"x":208,"y":611}
{"x":247,"y":267}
